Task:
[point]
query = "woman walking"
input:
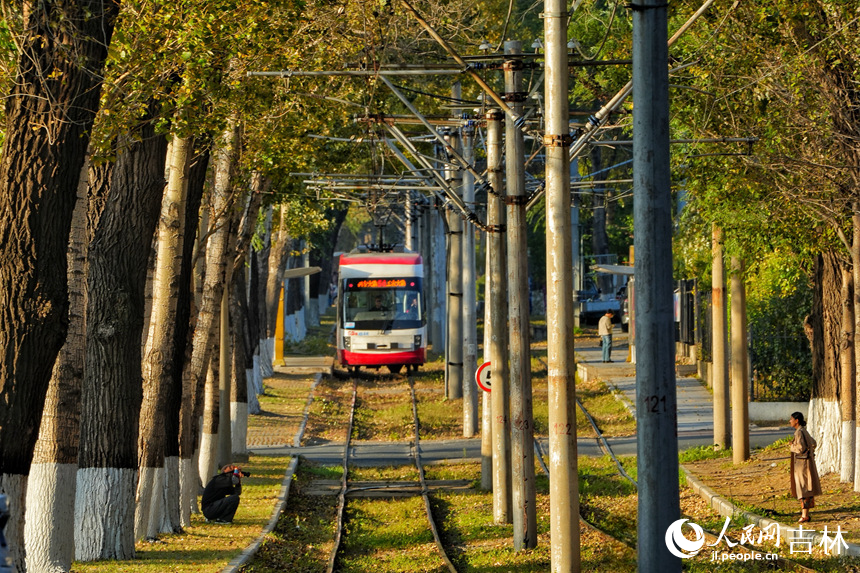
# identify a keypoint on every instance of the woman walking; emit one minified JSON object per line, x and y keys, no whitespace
{"x":805,"y":484}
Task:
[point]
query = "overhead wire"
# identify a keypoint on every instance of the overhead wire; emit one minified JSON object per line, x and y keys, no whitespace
{"x":437,"y":96}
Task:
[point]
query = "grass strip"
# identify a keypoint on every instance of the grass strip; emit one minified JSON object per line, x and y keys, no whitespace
{"x":207,"y":547}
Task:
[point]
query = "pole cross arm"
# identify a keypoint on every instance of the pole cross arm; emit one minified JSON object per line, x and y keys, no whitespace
{"x":519,"y":120}
{"x":449,"y":196}
{"x":481,"y":182}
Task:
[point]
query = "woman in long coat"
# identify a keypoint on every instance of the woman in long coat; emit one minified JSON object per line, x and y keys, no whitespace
{"x":805,"y":484}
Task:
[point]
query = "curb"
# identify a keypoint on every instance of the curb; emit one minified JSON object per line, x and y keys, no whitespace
{"x":251,"y":550}
{"x":726,"y":508}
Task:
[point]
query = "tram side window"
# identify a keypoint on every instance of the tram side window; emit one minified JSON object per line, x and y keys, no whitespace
{"x":408,"y":305}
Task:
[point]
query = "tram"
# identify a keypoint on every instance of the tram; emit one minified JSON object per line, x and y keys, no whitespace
{"x":380,"y":310}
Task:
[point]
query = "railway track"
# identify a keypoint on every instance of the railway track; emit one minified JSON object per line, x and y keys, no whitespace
{"x":341,"y":498}
{"x":345,"y":484}
{"x":346,"y":487}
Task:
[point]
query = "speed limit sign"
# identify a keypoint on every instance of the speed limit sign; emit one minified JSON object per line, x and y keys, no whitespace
{"x":482,"y":376}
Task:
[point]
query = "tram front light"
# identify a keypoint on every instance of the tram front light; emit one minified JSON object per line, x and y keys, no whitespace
{"x":416,"y":342}
{"x":346,"y":343}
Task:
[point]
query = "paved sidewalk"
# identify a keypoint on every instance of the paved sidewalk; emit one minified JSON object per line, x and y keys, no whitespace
{"x":695,"y":401}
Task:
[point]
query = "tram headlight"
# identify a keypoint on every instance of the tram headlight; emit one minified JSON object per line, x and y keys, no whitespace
{"x":416,"y":342}
{"x":346,"y":343}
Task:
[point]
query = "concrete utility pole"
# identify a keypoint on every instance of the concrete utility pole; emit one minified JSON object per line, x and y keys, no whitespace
{"x":439,"y":261}
{"x":575,"y":234}
{"x":522,"y":427}
{"x":470,"y":322}
{"x":427,"y":256}
{"x":560,"y":244}
{"x":656,"y":400}
{"x":454,"y":353}
{"x":719,"y":342}
{"x":496,"y":323}
{"x":486,"y":402}
{"x":740,"y":369}
{"x":408,"y":222}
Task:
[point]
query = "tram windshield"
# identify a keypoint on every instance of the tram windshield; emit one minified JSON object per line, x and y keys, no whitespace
{"x":383,"y":303}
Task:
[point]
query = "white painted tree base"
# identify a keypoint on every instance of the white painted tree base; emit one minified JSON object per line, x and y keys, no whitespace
{"x":49,"y":520}
{"x":257,"y":373}
{"x":171,"y":522}
{"x":295,"y":328}
{"x":104,"y":514}
{"x":267,"y":351}
{"x":188,"y":480}
{"x":253,"y":401}
{"x":312,"y":314}
{"x":857,"y":459}
{"x":150,"y":503}
{"x":14,"y":487}
{"x":847,"y":452}
{"x":207,"y":463}
{"x":195,"y":463}
{"x":239,"y":427}
{"x":825,"y":425}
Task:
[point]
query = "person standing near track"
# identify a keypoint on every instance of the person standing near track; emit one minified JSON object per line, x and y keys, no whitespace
{"x":805,"y":484}
{"x":604,"y":330}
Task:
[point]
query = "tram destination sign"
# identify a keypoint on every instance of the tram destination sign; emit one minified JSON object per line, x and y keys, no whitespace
{"x":381,"y":283}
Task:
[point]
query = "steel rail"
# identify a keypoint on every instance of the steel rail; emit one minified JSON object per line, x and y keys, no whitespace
{"x":416,"y":455}
{"x":341,"y":498}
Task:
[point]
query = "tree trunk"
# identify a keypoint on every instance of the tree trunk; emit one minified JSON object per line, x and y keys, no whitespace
{"x":49,"y":523}
{"x":322,"y":256}
{"x":189,"y":479}
{"x":294,"y":301}
{"x":278,"y":256}
{"x":255,"y":377}
{"x":160,"y":410}
{"x":243,"y":347}
{"x":855,"y":267}
{"x":213,"y":288}
{"x":846,"y":392}
{"x":250,"y":269}
{"x":264,"y":359}
{"x":239,"y":390}
{"x":46,"y":132}
{"x":825,"y":420}
{"x":208,"y":462}
{"x":112,"y":393}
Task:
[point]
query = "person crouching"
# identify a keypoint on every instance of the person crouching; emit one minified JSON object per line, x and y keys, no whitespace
{"x":221,"y":496}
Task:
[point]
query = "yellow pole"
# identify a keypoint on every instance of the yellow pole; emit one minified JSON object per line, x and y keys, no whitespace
{"x":278,"y":359}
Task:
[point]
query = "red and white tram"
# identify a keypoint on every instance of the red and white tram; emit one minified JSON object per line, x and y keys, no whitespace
{"x":380,"y":310}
